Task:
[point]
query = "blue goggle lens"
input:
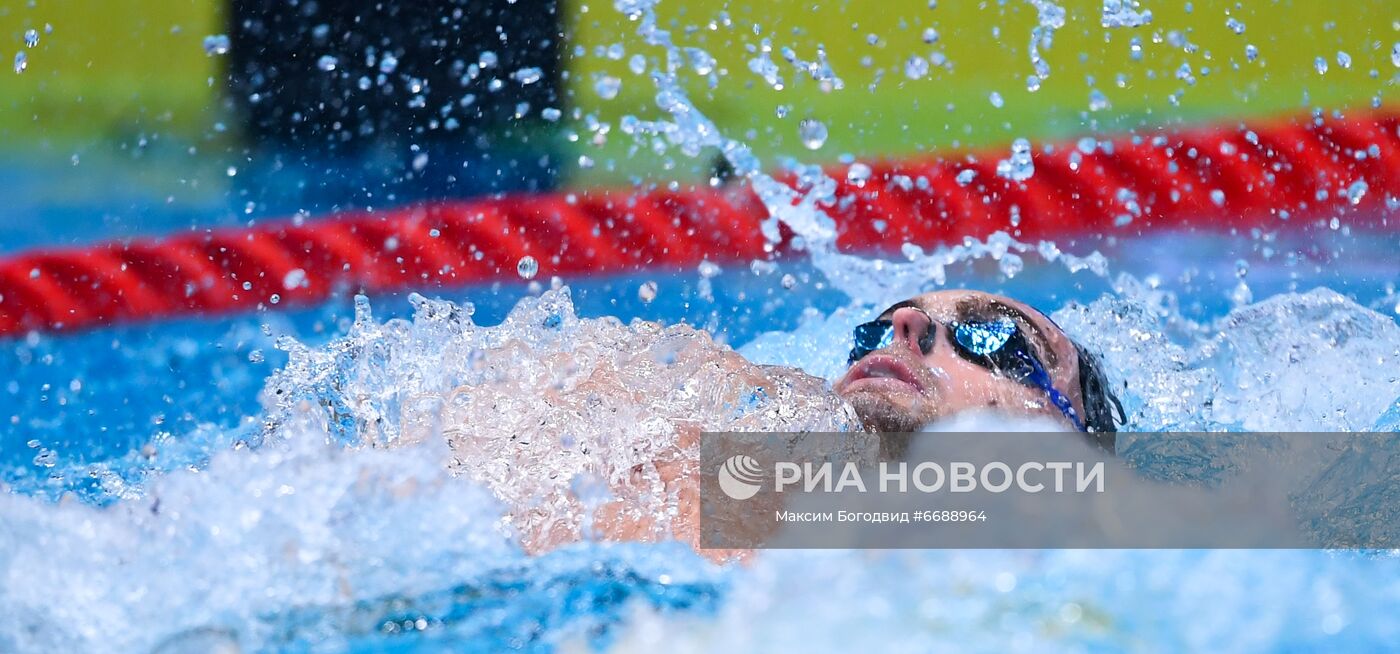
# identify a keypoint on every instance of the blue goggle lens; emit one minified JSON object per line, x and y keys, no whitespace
{"x":984,"y":338}
{"x":979,"y":339}
{"x":869,"y":337}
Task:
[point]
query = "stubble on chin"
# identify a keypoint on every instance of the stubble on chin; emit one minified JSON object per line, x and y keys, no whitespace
{"x":894,"y":424}
{"x":879,"y":414}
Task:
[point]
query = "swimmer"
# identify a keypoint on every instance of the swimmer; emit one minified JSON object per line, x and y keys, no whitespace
{"x":947,"y":352}
{"x":921,"y":360}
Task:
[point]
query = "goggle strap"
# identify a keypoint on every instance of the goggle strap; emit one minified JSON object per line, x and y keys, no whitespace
{"x":1042,"y":379}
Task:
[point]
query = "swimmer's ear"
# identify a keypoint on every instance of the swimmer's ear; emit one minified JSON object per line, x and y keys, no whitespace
{"x":1103,"y":411}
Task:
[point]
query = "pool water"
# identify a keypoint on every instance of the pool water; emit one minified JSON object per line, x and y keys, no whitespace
{"x":161,"y":499}
{"x":352,"y":477}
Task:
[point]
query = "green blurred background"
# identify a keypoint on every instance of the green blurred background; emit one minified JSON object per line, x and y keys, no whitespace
{"x":111,"y":77}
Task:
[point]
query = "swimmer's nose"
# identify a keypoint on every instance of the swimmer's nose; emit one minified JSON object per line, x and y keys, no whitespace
{"x":913,"y":329}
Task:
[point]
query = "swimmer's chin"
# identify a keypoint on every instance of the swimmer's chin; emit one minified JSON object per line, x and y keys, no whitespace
{"x":885,"y":407}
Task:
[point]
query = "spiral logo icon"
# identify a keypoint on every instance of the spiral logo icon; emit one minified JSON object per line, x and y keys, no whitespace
{"x":740,"y":477}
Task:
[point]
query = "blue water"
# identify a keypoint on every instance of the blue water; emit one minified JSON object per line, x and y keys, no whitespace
{"x":423,"y":572}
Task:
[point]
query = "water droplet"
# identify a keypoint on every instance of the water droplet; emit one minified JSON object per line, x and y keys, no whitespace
{"x":1020,"y":166}
{"x":327,"y":63}
{"x":487,"y":59}
{"x":31,"y":38}
{"x":21,"y":62}
{"x":1097,"y":100}
{"x":1250,"y":52}
{"x":528,"y":76}
{"x":788,"y":281}
{"x":812,"y":132}
{"x":528,"y":267}
{"x":1357,"y":191}
{"x":1234,"y":25}
{"x":551,"y":114}
{"x":916,"y":67}
{"x":607,"y":87}
{"x":1218,"y":197}
{"x":46,"y":458}
{"x":388,"y":63}
{"x":858,"y":174}
{"x":930,"y":35}
{"x":966,"y":176}
{"x":647,"y":292}
{"x":1395,"y":54}
{"x":1343,"y":59}
{"x":1032,"y":83}
{"x":294,"y":279}
{"x":700,"y":61}
{"x":637,"y":64}
{"x":216,"y":44}
{"x":256,"y":356}
{"x":1185,"y":74}
{"x":1320,"y":64}
{"x":995,"y":99}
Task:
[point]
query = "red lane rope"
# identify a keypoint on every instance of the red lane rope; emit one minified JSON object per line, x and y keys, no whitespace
{"x":1268,"y":175}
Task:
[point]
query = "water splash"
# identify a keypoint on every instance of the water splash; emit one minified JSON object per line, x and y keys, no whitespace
{"x":303,"y":544}
{"x":1124,"y":13}
{"x":762,"y":65}
{"x":540,"y":403}
{"x":818,"y":69}
{"x":1049,"y":18}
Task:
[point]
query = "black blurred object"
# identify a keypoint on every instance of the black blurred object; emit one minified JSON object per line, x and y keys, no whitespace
{"x":351,"y":103}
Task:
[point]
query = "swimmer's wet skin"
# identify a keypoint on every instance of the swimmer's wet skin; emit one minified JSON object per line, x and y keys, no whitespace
{"x":946,"y":352}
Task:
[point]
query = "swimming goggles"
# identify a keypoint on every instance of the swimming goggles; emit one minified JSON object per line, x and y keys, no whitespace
{"x":997,"y":345}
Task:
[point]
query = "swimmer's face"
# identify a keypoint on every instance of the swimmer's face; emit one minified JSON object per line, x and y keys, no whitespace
{"x":899,"y":388}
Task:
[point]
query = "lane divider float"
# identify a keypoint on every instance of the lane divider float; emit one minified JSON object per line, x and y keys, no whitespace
{"x":1269,"y":175}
